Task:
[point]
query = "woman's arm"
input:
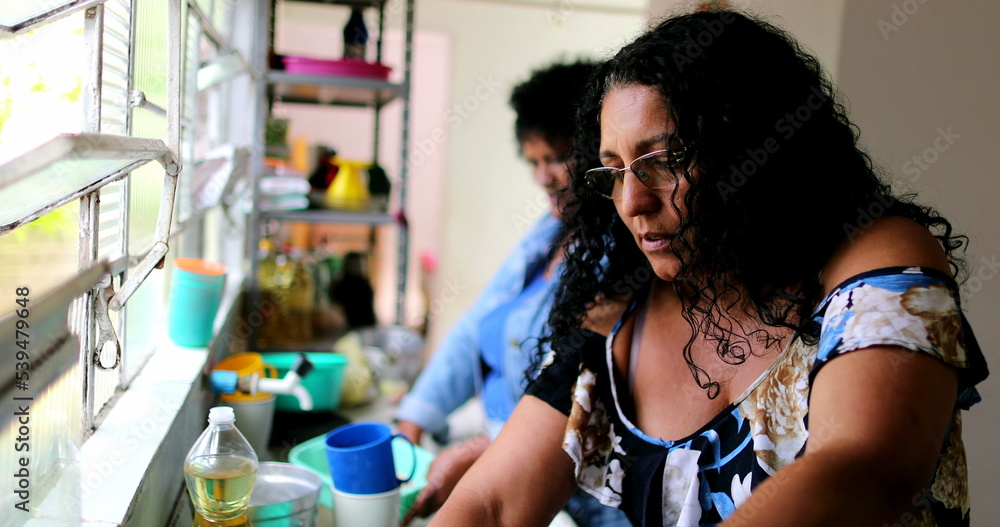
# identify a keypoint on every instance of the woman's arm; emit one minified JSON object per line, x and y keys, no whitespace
{"x":877,"y":419}
{"x":522,"y":479}
{"x":444,"y":473}
{"x":877,"y":416}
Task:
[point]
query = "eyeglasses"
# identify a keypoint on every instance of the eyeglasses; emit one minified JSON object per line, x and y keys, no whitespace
{"x":655,"y":170}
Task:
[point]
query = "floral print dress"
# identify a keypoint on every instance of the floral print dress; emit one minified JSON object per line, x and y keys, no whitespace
{"x":701,"y":479}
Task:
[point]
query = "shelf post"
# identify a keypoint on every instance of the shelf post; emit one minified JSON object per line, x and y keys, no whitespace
{"x":404,"y":235}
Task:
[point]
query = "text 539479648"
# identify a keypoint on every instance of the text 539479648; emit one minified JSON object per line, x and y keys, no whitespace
{"x":22,"y":368}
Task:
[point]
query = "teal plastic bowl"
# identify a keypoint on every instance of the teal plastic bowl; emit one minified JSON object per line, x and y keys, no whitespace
{"x":312,"y":455}
{"x":323,"y":383}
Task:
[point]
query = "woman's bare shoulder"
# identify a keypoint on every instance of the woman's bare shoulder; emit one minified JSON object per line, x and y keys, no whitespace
{"x":889,"y":242}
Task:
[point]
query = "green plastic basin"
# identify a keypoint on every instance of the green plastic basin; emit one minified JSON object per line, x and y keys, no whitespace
{"x":312,"y":455}
{"x":323,"y":383}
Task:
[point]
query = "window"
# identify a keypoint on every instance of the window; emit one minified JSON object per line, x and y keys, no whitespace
{"x":92,"y":134}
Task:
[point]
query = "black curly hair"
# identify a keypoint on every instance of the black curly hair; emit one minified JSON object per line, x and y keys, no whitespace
{"x":546,"y":104}
{"x":781,"y":182}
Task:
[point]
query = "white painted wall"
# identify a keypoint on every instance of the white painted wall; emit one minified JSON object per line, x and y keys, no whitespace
{"x":815,"y":23}
{"x":929,"y":70}
{"x":488,"y":187}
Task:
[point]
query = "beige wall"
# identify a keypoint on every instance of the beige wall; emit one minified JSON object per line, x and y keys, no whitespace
{"x":815,"y":23}
{"x":908,"y":78}
{"x":489,"y":190}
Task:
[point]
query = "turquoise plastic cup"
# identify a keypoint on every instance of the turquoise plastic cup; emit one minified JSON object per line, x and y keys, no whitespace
{"x":195,"y":295}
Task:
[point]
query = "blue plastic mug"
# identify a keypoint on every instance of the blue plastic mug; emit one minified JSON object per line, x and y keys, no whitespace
{"x":360,"y":458}
{"x":195,"y":296}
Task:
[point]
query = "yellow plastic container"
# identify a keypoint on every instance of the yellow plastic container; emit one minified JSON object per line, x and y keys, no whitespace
{"x":244,"y":364}
{"x":348,"y":190}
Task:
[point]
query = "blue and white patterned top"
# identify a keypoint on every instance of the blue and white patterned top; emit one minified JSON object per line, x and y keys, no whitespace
{"x":701,"y":479}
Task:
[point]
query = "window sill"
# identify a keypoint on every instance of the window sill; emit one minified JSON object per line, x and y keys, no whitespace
{"x":131,"y":468}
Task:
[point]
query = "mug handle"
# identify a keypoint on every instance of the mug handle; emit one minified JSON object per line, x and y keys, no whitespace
{"x":270,"y":372}
{"x":413,"y":448}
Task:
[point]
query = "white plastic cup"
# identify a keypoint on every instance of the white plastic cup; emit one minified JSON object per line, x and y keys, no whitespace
{"x":366,"y":510}
{"x":254,"y":418}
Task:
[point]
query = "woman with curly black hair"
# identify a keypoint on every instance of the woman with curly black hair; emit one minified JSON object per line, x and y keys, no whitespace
{"x":490,"y":348}
{"x":752,"y":329}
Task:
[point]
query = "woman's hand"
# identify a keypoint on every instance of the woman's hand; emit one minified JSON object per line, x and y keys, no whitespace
{"x":411,"y":430}
{"x":447,"y":468}
{"x":522,"y":479}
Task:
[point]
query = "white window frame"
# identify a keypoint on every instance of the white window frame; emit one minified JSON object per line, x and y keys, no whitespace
{"x":127,"y":491}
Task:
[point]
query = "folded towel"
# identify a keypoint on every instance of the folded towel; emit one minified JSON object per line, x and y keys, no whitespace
{"x":269,"y":204}
{"x":283,"y":186}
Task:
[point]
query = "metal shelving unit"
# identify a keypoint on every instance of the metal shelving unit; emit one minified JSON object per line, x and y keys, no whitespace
{"x":331,"y":90}
{"x":331,"y":216}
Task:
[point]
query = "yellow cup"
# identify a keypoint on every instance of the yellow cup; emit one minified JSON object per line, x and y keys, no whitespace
{"x":244,"y":364}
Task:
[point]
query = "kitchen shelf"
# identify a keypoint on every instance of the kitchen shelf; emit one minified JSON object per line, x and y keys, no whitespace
{"x":332,"y":89}
{"x":317,"y":346}
{"x":278,"y":85}
{"x":332,"y":216}
{"x":349,"y":3}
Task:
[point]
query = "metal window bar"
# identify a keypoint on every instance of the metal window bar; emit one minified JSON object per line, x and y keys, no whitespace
{"x":122,"y":12}
{"x":208,"y":26}
{"x":68,"y":167}
{"x":19,"y":16}
{"x":93,"y":36}
{"x":228,"y":62}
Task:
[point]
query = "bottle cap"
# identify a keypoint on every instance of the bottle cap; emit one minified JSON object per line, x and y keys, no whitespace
{"x":224,"y":381}
{"x":221,"y":414}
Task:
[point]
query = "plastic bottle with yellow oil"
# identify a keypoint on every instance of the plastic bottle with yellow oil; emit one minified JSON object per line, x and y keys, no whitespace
{"x":220,"y":471}
{"x":271,"y":295}
{"x":299,"y":299}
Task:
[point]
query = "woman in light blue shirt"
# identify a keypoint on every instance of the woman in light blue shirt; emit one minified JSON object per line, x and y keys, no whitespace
{"x":491,"y":347}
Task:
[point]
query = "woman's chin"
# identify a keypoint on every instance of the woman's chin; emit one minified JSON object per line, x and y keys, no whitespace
{"x":666,"y":267}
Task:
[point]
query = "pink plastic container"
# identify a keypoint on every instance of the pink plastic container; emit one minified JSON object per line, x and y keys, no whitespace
{"x":343,"y":67}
